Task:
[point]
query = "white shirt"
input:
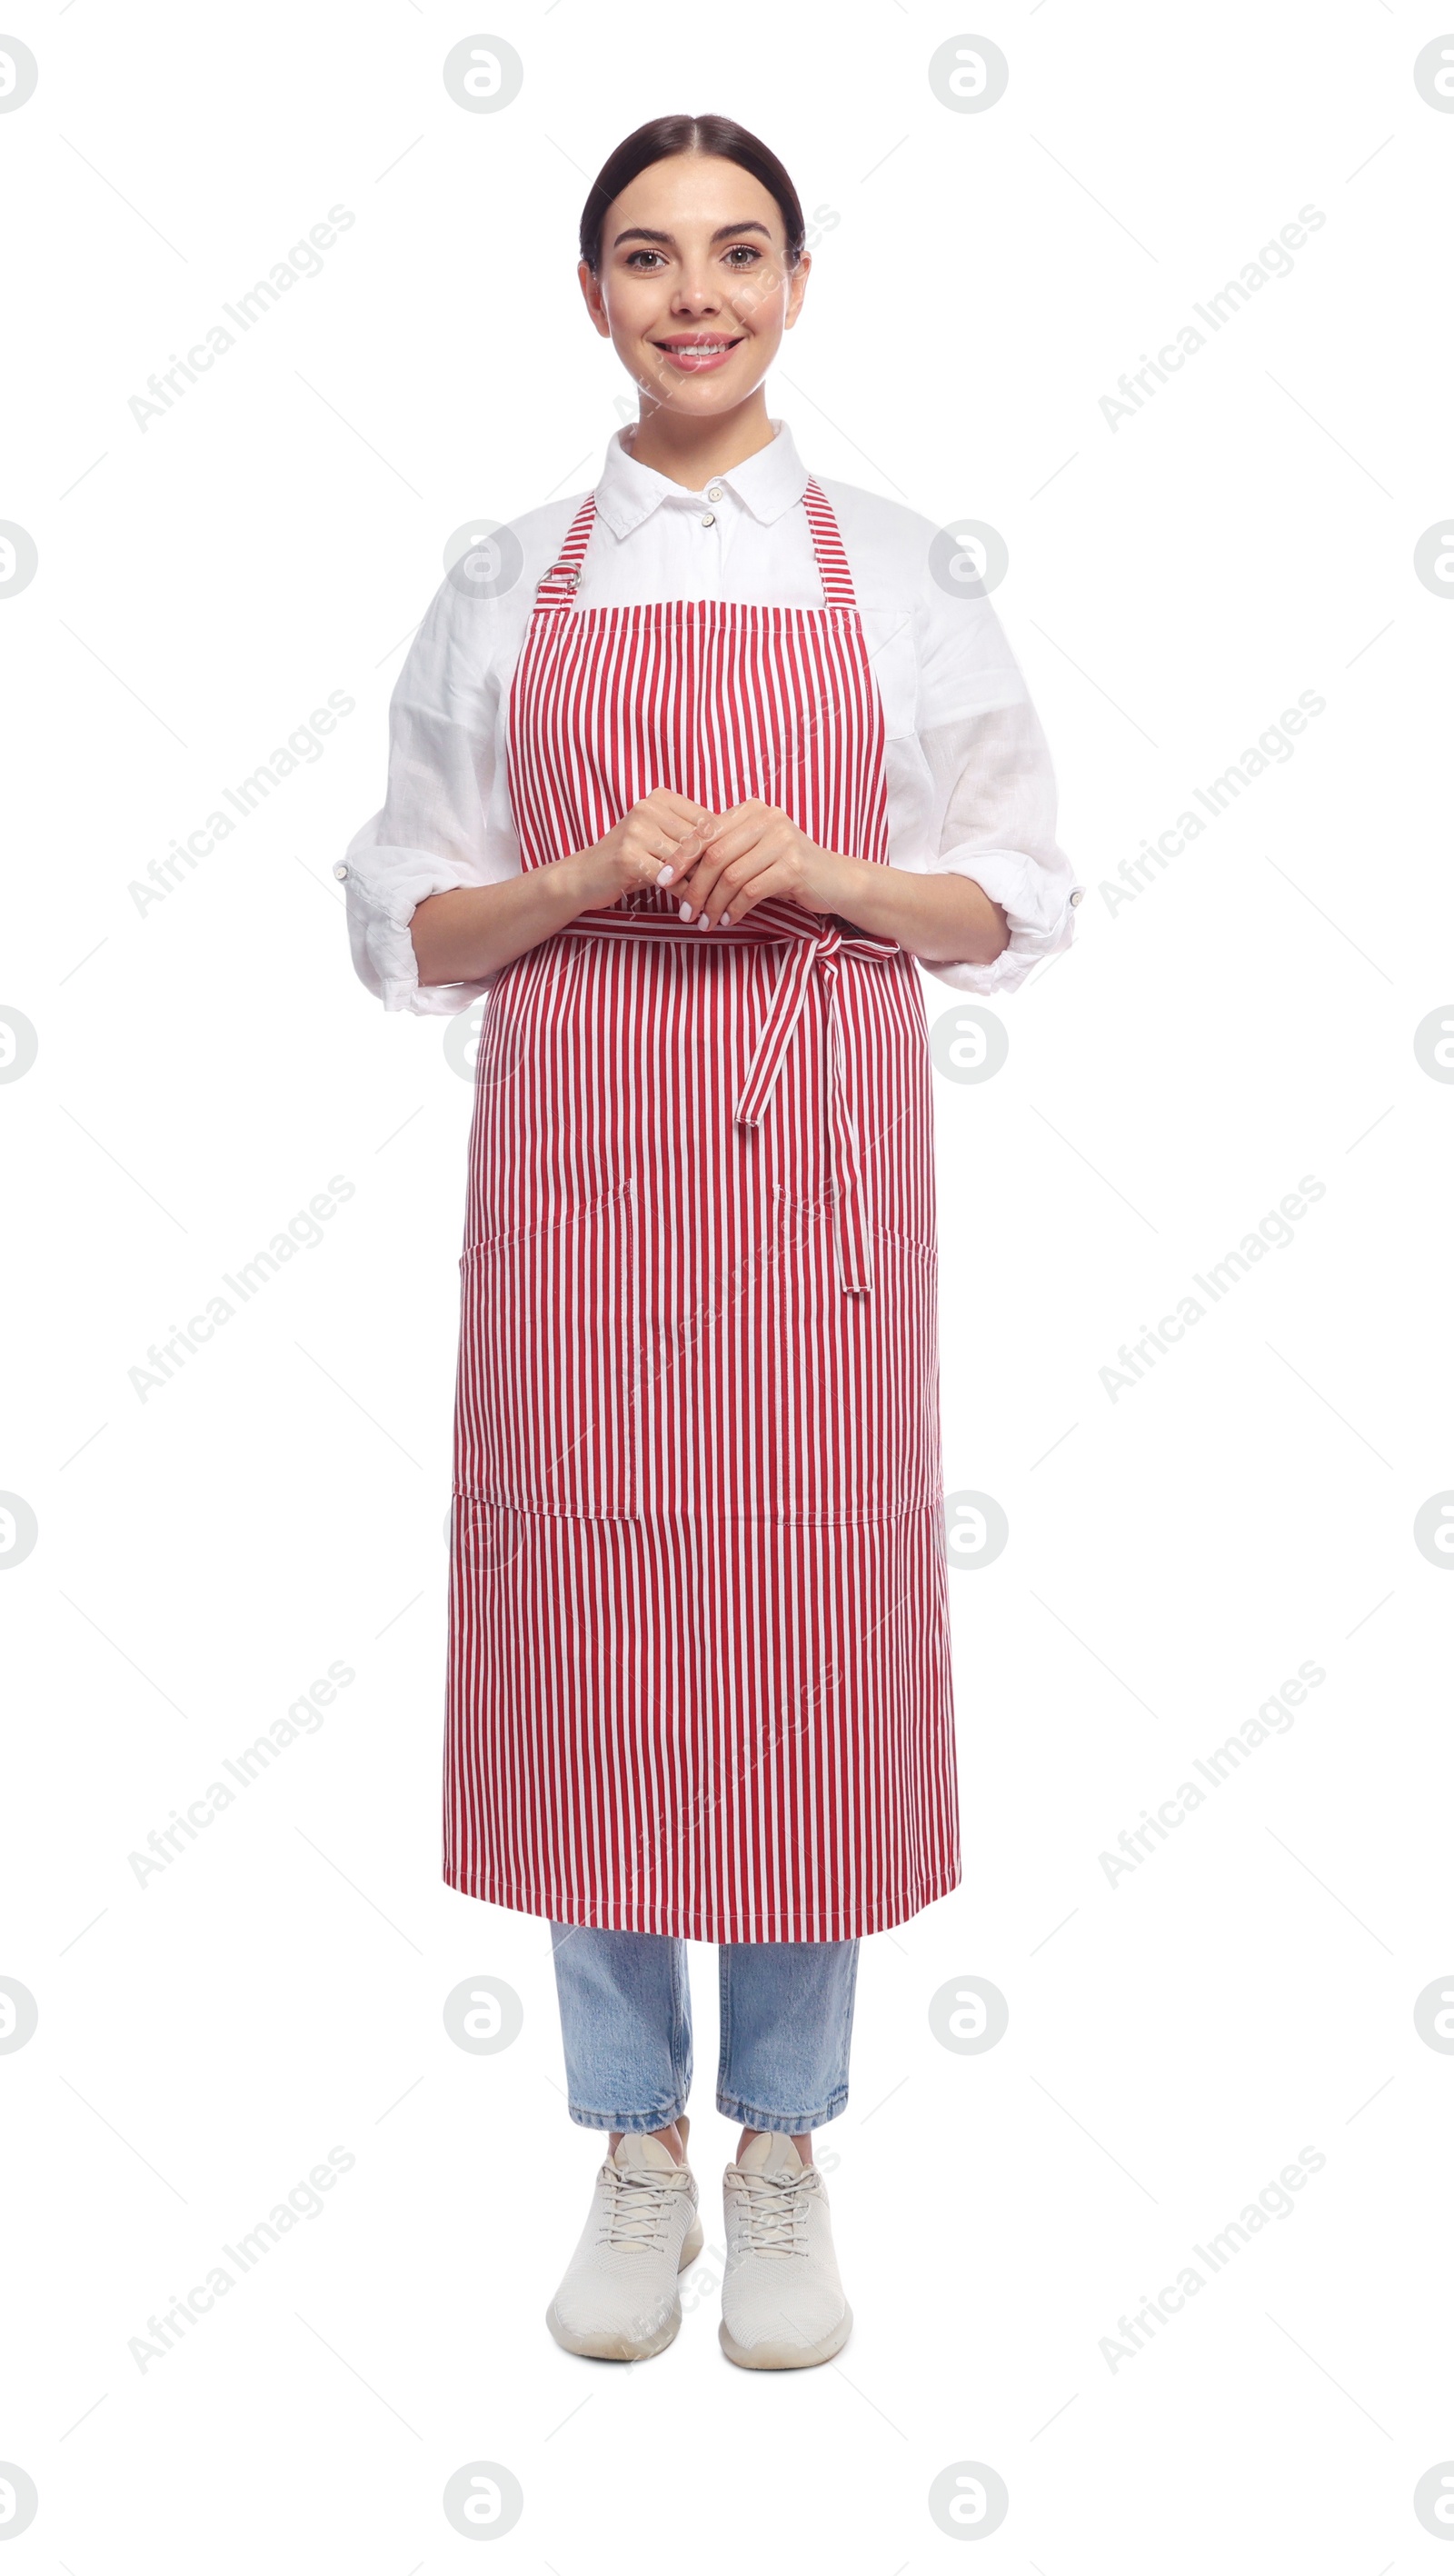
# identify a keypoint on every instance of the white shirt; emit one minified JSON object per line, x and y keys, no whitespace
{"x":970,"y":785}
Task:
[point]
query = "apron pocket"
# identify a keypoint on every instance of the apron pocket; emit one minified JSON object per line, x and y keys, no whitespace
{"x":546,"y":1416}
{"x":854,"y":1417}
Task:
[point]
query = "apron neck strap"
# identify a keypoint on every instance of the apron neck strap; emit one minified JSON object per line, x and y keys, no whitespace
{"x":557,"y":584}
{"x":837,"y":580}
{"x":556,"y":588}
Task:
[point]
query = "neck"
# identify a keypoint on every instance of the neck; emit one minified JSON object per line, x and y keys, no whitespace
{"x":690,"y":452}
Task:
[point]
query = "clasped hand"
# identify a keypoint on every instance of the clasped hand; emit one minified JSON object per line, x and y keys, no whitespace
{"x":720,"y":866}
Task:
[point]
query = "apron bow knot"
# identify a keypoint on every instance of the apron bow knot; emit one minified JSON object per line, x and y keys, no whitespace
{"x":818,"y":952}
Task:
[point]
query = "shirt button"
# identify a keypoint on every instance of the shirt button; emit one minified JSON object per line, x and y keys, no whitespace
{"x":1076,"y":896}
{"x":340,"y":870}
{"x":714,"y":491}
{"x":709,"y":518}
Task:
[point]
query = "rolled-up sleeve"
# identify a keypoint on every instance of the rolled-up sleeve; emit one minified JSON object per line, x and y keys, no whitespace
{"x":436,"y":829}
{"x":992,"y":789}
{"x":994,"y":798}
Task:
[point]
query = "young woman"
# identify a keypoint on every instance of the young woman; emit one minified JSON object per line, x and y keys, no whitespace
{"x":685,"y":775}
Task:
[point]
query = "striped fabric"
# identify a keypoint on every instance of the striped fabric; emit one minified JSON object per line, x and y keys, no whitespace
{"x":699,"y":1670}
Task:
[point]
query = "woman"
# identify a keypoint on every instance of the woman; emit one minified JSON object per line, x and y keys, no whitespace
{"x":685,"y":775}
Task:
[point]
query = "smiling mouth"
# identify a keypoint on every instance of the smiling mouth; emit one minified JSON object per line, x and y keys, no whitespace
{"x":712,"y":348}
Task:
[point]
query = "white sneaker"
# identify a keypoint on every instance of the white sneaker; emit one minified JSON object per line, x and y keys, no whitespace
{"x":783,"y":2306}
{"x":619,"y":2300}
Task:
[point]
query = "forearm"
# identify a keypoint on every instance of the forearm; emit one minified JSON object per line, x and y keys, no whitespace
{"x":947,"y":917}
{"x":466,"y":933}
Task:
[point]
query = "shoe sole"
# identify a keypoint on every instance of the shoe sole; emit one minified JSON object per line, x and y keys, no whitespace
{"x":787,"y":2356}
{"x":620,"y":2347}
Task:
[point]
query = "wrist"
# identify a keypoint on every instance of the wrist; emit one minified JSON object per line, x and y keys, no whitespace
{"x":572,"y":876}
{"x":839,"y":882}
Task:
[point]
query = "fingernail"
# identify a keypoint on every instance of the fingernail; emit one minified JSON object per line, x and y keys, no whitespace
{"x":701,"y":921}
{"x":666,"y":875}
{"x":685,"y":910}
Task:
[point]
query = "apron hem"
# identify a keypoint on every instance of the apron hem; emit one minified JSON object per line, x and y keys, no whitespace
{"x":608,"y":1914}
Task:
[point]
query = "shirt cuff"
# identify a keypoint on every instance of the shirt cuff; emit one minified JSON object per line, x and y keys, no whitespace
{"x":1038,"y":904}
{"x":383,"y":888}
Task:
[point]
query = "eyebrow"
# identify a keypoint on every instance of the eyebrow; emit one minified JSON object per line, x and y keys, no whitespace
{"x":639,"y":232}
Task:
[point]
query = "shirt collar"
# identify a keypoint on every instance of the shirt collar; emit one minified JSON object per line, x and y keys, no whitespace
{"x":767,"y":483}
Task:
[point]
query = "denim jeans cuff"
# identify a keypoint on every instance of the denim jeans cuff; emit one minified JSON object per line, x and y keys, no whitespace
{"x":790,"y":2124}
{"x":630,"y":2123}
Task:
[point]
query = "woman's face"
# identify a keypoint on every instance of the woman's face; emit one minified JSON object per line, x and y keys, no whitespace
{"x":694,"y":291}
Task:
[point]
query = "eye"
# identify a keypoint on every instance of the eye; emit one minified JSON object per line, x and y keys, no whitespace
{"x":749,"y":252}
{"x":633,"y":256}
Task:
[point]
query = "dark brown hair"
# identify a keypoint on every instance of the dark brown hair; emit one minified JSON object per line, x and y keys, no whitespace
{"x":659,"y":141}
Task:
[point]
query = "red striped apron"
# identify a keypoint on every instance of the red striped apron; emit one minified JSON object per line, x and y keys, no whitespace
{"x":699,"y":1677}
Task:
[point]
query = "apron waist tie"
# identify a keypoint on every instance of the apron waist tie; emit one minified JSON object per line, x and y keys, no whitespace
{"x":808,"y":952}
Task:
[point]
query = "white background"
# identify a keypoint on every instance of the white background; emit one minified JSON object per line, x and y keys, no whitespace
{"x":206,"y":1067}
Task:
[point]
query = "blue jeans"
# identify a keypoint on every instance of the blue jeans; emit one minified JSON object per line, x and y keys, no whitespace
{"x":785,"y":2022}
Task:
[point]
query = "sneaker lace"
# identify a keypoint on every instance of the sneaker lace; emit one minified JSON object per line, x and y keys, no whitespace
{"x":775,"y":2211}
{"x":637,"y":2206}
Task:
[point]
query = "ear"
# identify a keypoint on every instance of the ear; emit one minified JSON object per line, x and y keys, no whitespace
{"x":595,"y":303}
{"x":797,"y":289}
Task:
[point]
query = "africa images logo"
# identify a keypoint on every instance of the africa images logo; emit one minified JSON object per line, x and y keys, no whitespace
{"x":164,"y":390}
